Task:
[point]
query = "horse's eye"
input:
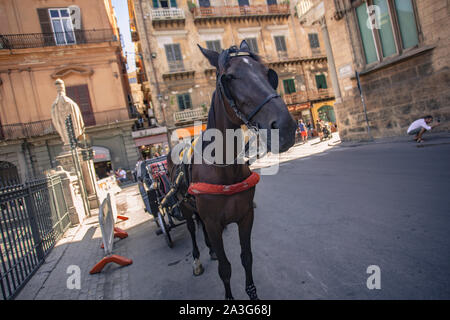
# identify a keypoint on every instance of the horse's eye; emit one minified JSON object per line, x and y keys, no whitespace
{"x":231,"y":77}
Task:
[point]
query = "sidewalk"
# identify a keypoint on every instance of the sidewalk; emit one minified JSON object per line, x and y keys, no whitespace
{"x":80,"y":246}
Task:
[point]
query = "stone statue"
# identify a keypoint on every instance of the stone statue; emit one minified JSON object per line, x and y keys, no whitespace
{"x":61,"y":108}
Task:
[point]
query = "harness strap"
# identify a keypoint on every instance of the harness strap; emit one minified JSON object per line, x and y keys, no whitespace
{"x":256,"y":110}
{"x":197,"y":188}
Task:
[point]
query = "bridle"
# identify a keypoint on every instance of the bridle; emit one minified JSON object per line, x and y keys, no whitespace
{"x":246,"y":119}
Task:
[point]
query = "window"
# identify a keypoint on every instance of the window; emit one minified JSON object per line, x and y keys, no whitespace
{"x":313,"y":40}
{"x":387,"y":28}
{"x":204,"y":3}
{"x":253,"y":44}
{"x":243,"y":3}
{"x":280,"y":43}
{"x":184,"y":101}
{"x":61,"y":26}
{"x":80,"y":94}
{"x":174,"y":57}
{"x":271,"y":2}
{"x":321,"y":81}
{"x":289,"y":86}
{"x":214,"y":45}
{"x":164,"y":4}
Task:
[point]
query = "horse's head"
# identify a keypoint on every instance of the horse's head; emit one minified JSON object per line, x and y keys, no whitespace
{"x":250,"y":89}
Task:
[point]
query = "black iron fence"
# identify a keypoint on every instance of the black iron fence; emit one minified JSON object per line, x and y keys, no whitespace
{"x":38,"y":40}
{"x":33,"y":216}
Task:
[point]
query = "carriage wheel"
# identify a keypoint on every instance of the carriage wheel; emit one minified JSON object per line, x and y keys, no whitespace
{"x":165,"y":229}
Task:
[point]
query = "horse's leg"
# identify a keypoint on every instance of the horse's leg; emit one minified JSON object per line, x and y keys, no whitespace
{"x":212,"y":254}
{"x":215,"y":236}
{"x":245,"y":231}
{"x":198,"y":268}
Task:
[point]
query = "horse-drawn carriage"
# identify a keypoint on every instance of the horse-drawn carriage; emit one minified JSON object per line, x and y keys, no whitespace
{"x":154,"y":186}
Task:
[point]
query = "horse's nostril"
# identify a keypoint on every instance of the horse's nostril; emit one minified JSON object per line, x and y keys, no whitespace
{"x":274,"y":125}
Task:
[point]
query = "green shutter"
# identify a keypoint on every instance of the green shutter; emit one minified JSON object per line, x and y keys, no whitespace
{"x":155,"y":4}
{"x":173,"y":3}
{"x":321,"y":81}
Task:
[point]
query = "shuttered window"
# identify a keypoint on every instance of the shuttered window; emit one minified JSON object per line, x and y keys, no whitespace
{"x":184,"y":101}
{"x":214,"y":45}
{"x":313,"y":40}
{"x":164,"y":3}
{"x":280,"y":43}
{"x":174,"y":57}
{"x":252,"y":44}
{"x":289,"y":86}
{"x":204,"y":3}
{"x":46,"y":26}
{"x":321,"y":81}
{"x":80,"y":94}
{"x":243,"y":3}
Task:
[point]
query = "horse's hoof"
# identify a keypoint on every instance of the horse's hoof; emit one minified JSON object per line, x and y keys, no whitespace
{"x":213,"y":256}
{"x":198,"y":268}
{"x":229,"y":298}
{"x":251,"y":292}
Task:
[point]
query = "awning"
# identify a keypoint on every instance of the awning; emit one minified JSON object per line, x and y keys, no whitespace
{"x":101,"y":154}
{"x":159,"y":138}
{"x":189,"y":131}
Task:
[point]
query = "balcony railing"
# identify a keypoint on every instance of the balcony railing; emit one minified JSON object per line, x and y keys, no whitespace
{"x":176,"y":66}
{"x":310,"y":95}
{"x":238,"y":11}
{"x":44,"y":127}
{"x":190,"y":115}
{"x":282,"y":55}
{"x":39,"y":40}
{"x":167,"y":14}
{"x":26,"y":130}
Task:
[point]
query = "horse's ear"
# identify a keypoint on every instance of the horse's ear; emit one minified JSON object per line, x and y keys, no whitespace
{"x":212,"y":56}
{"x":244,"y":46}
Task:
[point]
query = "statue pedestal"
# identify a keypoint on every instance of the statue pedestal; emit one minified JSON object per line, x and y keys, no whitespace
{"x":65,"y":160}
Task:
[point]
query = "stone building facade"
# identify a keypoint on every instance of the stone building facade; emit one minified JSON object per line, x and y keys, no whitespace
{"x":400,"y":49}
{"x":41,"y":41}
{"x":181,"y":81}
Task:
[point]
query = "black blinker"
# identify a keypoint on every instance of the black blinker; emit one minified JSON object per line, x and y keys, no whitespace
{"x":273,"y":78}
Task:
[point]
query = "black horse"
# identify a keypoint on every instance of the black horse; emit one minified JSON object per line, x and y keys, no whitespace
{"x":245,"y":94}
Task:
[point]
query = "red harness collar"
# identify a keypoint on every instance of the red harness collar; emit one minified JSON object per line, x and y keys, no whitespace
{"x":207,"y":188}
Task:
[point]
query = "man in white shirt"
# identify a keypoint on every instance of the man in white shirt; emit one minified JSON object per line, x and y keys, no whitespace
{"x":420,"y":126}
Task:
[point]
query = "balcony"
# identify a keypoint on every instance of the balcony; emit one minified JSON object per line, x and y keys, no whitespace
{"x":257,"y":11}
{"x":44,"y":127}
{"x":165,"y":16}
{"x":310,"y":95}
{"x":26,"y":130}
{"x":40,"y":40}
{"x":282,"y":55}
{"x":177,"y":71}
{"x":190,"y":115}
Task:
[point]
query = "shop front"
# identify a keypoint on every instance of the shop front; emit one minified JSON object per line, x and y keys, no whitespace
{"x":301,"y":111}
{"x":324,"y":111}
{"x":102,"y":161}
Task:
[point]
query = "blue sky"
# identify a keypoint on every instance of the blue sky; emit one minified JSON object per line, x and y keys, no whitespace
{"x":121,"y":10}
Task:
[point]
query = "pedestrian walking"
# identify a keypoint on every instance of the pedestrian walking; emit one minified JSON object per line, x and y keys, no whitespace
{"x":310,"y":128}
{"x":319,"y":128}
{"x":420,"y":126}
{"x":303,"y":131}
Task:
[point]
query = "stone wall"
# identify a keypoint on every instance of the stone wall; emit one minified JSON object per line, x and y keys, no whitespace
{"x":401,"y":89}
